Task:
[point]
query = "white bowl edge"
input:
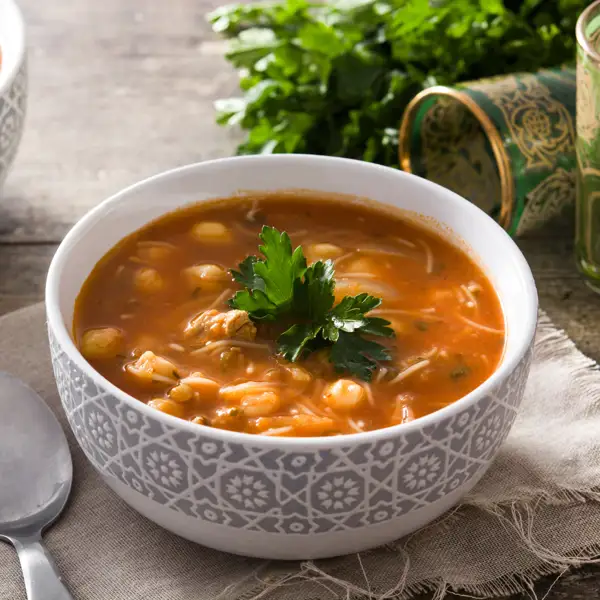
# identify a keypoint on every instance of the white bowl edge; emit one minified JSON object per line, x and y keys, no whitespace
{"x":285,"y":166}
{"x":12,"y":42}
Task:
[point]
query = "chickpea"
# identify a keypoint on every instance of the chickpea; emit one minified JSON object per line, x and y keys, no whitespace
{"x":212,"y":232}
{"x":101,"y":343}
{"x":360,"y":265}
{"x":206,"y":388}
{"x":273,"y":374}
{"x":148,"y":281}
{"x":344,"y":395}
{"x":201,"y":421}
{"x":231,"y":359}
{"x":316,"y":252}
{"x":154,"y":254}
{"x":261,"y":405}
{"x":299,"y":376}
{"x":181,"y":393}
{"x":207,"y":278}
{"x":168,"y":406}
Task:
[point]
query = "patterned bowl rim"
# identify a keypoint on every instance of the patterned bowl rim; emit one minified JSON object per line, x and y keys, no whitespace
{"x":510,"y":250}
{"x":13,"y":51}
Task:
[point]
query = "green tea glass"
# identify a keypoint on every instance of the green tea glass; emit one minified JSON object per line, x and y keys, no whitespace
{"x":587,"y":237}
{"x":505,"y":143}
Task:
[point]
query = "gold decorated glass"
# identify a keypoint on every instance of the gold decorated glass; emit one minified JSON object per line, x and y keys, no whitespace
{"x":506,"y":143}
{"x":587,"y":238}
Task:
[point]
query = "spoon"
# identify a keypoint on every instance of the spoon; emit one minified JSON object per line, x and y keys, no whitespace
{"x":35,"y":481}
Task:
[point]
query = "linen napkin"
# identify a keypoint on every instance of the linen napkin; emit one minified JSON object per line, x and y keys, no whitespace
{"x":537,"y":511}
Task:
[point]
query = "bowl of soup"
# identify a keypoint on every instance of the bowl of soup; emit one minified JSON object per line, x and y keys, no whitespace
{"x":290,"y":356}
{"x":13,"y":83}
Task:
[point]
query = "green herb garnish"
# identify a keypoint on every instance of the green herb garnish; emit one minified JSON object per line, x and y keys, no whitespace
{"x":281,"y":287}
{"x":334,"y":77}
{"x":269,"y":282}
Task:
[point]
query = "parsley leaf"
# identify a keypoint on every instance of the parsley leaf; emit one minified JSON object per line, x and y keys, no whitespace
{"x":354,"y":354}
{"x":281,"y":267}
{"x":269,"y":282}
{"x":377,"y":326}
{"x":313,"y":297}
{"x":246,"y":276}
{"x":333,"y":77}
{"x":282,"y":287}
{"x":349,"y":314}
{"x":255,"y":303}
{"x":293,"y":343}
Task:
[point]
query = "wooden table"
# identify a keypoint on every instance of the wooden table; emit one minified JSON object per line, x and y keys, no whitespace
{"x":120,"y":90}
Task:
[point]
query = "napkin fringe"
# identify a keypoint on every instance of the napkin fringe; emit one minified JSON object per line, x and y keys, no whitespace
{"x":560,"y":497}
{"x":506,"y":585}
{"x":517,"y":516}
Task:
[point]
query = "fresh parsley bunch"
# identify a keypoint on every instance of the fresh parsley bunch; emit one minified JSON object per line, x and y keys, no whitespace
{"x":334,"y":77}
{"x":281,"y":287}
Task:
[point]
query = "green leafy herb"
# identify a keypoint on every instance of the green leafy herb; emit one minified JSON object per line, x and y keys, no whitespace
{"x":358,"y":355}
{"x":269,"y":282}
{"x":282,"y":287}
{"x":313,"y":296}
{"x":334,"y":77}
{"x":246,"y":277}
{"x":297,"y":340}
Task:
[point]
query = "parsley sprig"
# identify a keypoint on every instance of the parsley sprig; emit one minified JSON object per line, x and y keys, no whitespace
{"x":281,"y":287}
{"x":334,"y":77}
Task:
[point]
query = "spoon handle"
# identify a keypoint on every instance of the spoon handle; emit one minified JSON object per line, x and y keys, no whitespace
{"x":42,"y":579}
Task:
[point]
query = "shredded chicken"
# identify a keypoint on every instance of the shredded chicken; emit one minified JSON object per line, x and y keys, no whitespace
{"x":213,"y":325}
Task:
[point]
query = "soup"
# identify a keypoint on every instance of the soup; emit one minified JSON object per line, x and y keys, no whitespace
{"x":384,"y":322}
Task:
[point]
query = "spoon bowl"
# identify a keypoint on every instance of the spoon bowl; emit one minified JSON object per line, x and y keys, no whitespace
{"x":36,"y":473}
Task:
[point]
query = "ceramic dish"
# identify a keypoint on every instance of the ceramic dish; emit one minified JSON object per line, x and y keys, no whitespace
{"x":286,"y":498}
{"x":13,"y":83}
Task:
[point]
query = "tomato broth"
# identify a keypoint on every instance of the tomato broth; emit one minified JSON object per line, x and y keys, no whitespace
{"x":154,"y":318}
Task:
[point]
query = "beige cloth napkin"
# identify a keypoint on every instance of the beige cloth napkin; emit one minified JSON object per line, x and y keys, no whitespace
{"x":537,"y":511}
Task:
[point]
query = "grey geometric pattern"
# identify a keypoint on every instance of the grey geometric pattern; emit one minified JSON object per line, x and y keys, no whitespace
{"x":275,"y":490}
{"x":13,"y":103}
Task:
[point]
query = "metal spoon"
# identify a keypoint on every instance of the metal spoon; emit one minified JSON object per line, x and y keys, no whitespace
{"x":35,"y":481}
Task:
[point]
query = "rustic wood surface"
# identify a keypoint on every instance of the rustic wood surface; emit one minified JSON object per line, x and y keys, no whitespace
{"x":121,"y":90}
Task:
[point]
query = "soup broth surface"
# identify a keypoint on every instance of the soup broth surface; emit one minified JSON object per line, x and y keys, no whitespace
{"x":153,"y":319}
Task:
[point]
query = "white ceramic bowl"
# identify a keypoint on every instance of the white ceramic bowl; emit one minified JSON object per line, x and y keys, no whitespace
{"x":275,"y":497}
{"x":13,"y":83}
